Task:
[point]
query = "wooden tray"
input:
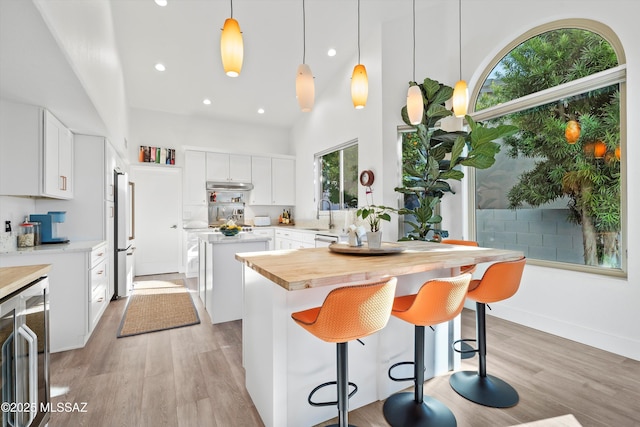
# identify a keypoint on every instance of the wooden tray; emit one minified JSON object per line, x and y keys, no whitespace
{"x":386,"y":249}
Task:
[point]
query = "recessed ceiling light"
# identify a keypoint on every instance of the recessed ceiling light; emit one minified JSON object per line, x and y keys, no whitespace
{"x":206,"y":101}
{"x":160,"y":67}
{"x":161,"y":3}
{"x":331,"y":52}
{"x":260,"y":110}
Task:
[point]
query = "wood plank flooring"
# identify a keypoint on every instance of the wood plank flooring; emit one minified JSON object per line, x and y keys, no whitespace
{"x":192,"y":377}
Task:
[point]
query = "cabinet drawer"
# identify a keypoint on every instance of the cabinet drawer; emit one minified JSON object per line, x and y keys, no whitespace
{"x":99,"y":275}
{"x":97,"y":304}
{"x":98,"y":255}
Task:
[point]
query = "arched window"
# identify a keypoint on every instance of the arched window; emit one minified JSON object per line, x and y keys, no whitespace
{"x":556,"y":190}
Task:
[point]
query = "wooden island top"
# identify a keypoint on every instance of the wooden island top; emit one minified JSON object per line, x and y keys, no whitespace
{"x":15,"y":278}
{"x":308,"y":268}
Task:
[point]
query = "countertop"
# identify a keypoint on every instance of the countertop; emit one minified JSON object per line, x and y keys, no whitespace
{"x":306,"y":268}
{"x":83,"y":246}
{"x":15,"y":278}
{"x":219,"y":238}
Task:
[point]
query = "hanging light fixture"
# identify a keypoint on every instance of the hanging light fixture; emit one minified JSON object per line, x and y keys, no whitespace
{"x":305,"y":87}
{"x":231,"y":46}
{"x":415,"y":106}
{"x":359,"y":79}
{"x":460,"y":91}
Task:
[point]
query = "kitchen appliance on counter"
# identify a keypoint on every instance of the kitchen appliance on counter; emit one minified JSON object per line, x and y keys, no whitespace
{"x":49,"y":224}
{"x":261,"y":221}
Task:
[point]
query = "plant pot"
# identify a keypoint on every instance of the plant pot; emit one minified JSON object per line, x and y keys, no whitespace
{"x":374,"y":239}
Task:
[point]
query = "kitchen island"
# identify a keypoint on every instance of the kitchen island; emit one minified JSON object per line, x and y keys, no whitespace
{"x":283,"y":362}
{"x":220,"y":276}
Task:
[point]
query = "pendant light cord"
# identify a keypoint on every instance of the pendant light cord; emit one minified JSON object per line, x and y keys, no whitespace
{"x":304,"y":34}
{"x":414,"y":40}
{"x":358,"y":31}
{"x":460,"y":34}
{"x":231,"y":1}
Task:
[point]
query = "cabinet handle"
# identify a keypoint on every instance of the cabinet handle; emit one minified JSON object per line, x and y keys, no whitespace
{"x":63,"y":187}
{"x":100,"y":299}
{"x":100,"y":254}
{"x":100,"y":272}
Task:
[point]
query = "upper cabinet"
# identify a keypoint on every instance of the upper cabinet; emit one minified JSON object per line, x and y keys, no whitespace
{"x":228,"y":167}
{"x":273,"y":181}
{"x":36,"y":153}
{"x":58,"y":159}
{"x":195,"y":180}
{"x":283,"y":183}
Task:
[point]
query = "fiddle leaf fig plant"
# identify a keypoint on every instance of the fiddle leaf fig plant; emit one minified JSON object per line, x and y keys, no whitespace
{"x":433,"y":156}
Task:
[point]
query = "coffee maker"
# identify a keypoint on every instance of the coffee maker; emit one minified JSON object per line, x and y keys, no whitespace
{"x":49,"y":226}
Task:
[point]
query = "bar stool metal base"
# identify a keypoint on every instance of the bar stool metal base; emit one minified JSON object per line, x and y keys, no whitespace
{"x":401,"y":409}
{"x":488,"y":390}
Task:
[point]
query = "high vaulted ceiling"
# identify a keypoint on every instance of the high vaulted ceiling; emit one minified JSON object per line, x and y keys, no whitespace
{"x":185,"y":37}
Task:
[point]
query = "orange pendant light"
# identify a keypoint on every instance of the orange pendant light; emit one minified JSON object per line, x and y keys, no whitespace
{"x":415,"y":105}
{"x":305,"y":86}
{"x":359,"y":79}
{"x":231,"y":46}
{"x":460,"y":91}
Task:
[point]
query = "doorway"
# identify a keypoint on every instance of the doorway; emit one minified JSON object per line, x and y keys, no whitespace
{"x":158,"y":201}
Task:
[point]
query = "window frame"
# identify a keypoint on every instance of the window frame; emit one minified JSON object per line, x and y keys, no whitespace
{"x":615,"y":75}
{"x":318,"y":173}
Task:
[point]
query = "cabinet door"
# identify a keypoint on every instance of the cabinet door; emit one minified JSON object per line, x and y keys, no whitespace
{"x":239,"y":168}
{"x":283,"y":181}
{"x":261,"y":179}
{"x":57,"y":159}
{"x":217,"y":167}
{"x":111,"y":161}
{"x":195,"y":181}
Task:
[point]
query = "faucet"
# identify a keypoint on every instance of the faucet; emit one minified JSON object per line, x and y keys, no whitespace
{"x":331,"y":224}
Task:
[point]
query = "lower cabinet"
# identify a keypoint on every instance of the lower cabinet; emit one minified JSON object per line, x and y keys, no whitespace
{"x":79,"y":281}
{"x":291,"y":239}
{"x":267,"y":232}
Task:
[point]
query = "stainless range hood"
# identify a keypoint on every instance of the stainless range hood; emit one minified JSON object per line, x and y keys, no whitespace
{"x":229,"y":186}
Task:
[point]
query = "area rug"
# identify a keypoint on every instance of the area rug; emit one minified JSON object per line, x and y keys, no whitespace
{"x":563,"y":421}
{"x":156,"y":305}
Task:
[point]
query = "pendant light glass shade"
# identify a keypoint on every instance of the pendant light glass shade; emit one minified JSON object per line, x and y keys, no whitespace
{"x":415,"y":107}
{"x":359,"y":86}
{"x":231,"y":48}
{"x":460,"y":99}
{"x":305,"y":88}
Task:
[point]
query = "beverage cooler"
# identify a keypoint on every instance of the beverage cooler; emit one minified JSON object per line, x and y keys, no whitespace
{"x":24,"y":336}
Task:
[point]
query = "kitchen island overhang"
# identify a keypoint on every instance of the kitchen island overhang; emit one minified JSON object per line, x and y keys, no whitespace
{"x":283,"y":363}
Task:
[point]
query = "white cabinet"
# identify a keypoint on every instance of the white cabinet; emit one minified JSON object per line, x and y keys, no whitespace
{"x":267,"y":232}
{"x":98,"y":291}
{"x":36,"y":153}
{"x":195,"y":180}
{"x":261,"y":180}
{"x":273,"y":181}
{"x":283,"y":189}
{"x":291,"y":239}
{"x":58,"y":159}
{"x":78,"y":281}
{"x":228,"y":167}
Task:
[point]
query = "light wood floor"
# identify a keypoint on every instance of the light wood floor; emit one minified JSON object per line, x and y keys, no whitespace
{"x":192,"y":377}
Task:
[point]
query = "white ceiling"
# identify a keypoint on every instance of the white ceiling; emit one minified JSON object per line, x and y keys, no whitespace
{"x":185,"y":36}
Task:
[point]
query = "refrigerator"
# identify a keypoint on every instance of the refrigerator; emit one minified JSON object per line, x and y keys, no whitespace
{"x":122,"y":248}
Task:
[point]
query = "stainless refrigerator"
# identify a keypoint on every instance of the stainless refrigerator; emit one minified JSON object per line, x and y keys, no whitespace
{"x":122,"y":247}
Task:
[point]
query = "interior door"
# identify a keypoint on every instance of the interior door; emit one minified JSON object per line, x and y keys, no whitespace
{"x":157,"y":214}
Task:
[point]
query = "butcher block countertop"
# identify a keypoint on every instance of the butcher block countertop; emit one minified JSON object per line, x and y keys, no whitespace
{"x":15,"y":278}
{"x":308,"y":268}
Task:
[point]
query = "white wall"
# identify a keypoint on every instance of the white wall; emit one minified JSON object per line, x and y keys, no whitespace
{"x":597,"y":310}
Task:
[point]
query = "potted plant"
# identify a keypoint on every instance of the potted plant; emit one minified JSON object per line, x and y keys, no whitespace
{"x":373,"y":215}
{"x":435,"y":157}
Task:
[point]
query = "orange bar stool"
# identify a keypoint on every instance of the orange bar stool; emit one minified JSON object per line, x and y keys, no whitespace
{"x":437,"y":301}
{"x":499,"y":282}
{"x":466,"y":351}
{"x":465,"y":268}
{"x":347,"y":313}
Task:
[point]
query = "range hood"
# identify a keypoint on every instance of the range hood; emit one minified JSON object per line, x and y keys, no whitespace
{"x":229,"y":186}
